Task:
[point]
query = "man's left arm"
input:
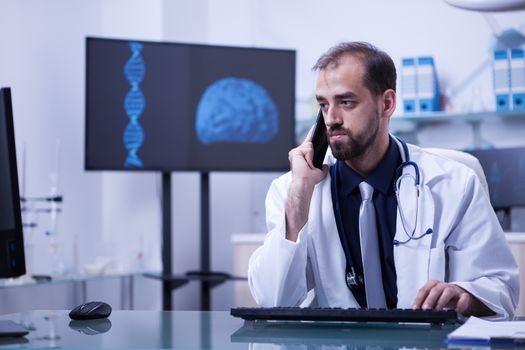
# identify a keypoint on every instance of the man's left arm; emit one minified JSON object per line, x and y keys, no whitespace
{"x":483,"y":277}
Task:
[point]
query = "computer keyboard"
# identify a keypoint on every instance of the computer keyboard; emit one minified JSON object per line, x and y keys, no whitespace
{"x":346,"y":315}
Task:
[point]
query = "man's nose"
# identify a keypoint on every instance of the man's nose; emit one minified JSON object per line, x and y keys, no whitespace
{"x":332,"y":117}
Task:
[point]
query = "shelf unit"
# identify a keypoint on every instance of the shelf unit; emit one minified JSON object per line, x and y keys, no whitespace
{"x":422,"y":120}
{"x":475,"y":117}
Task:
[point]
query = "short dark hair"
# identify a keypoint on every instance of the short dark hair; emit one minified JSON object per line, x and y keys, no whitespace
{"x":380,"y":71}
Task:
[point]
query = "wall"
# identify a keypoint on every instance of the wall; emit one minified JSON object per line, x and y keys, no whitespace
{"x":116,"y":214}
{"x":42,"y":60}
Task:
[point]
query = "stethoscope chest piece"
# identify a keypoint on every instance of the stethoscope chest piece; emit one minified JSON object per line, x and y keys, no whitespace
{"x":353,"y":280}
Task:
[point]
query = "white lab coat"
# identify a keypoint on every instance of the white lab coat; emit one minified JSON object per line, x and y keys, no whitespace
{"x":467,"y":246}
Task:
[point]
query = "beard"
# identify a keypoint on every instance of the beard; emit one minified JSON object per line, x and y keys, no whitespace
{"x":356,"y":145}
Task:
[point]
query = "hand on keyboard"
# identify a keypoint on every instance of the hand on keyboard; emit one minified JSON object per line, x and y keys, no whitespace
{"x":438,"y":295}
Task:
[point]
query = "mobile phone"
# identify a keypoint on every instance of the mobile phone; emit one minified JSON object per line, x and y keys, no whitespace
{"x":320,"y":140}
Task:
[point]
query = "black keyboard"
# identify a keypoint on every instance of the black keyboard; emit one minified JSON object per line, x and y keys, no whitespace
{"x":346,"y":315}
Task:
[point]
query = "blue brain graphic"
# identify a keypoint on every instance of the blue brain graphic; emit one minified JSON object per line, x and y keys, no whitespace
{"x":236,"y":110}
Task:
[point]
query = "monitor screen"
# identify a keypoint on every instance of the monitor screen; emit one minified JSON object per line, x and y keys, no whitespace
{"x":504,"y":169}
{"x":172,"y":106}
{"x":12,"y":260}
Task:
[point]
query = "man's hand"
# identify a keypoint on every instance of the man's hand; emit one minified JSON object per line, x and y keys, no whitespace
{"x":439,"y":295}
{"x":304,"y":178}
{"x":302,"y":166}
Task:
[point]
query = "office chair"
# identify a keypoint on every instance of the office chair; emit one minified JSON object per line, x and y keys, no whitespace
{"x":465,"y":158}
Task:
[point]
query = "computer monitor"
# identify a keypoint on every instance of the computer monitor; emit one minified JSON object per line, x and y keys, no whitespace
{"x":184,"y":107}
{"x":12,"y":259}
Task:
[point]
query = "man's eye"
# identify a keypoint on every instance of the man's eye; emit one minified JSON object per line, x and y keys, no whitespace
{"x":347,"y":103}
{"x":323,"y":106}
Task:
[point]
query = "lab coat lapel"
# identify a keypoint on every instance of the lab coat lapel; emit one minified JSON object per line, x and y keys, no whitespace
{"x":331,"y":260}
{"x":411,"y":259}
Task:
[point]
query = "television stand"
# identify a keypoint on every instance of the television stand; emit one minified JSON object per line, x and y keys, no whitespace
{"x":209,"y":279}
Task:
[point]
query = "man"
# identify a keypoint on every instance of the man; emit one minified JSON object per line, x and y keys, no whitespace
{"x":449,"y":250}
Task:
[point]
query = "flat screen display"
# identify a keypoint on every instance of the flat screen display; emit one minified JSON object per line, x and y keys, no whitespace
{"x":172,"y":106}
{"x":504,"y":169}
{"x":7,"y":210}
{"x":12,"y":257}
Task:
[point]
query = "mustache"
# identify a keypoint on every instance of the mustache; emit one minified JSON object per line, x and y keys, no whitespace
{"x":337,"y":130}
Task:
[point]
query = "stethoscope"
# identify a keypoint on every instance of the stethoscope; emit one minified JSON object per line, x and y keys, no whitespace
{"x":353,"y":280}
{"x":399,"y":176}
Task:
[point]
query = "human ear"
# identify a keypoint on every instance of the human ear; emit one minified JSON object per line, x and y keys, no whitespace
{"x":389,"y":102}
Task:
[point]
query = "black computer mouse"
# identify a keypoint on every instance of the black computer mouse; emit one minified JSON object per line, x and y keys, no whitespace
{"x":90,"y":311}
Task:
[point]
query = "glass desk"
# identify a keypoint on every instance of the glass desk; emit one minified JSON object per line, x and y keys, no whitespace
{"x":212,"y":330}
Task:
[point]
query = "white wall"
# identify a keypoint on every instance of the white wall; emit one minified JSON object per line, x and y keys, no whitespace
{"x":117,"y":214}
{"x":43,"y":59}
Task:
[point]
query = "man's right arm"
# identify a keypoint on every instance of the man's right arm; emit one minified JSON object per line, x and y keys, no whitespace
{"x":304,"y":178}
{"x":277,"y":270}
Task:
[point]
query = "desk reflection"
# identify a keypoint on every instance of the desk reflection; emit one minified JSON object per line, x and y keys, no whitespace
{"x":91,"y":327}
{"x":302,"y":335}
{"x":213,"y":330}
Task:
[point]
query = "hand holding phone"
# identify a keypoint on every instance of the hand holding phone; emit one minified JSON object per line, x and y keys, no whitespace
{"x":320,"y":140}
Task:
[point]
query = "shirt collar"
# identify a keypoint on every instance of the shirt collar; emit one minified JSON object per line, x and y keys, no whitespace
{"x":348,"y":178}
{"x":381,"y":178}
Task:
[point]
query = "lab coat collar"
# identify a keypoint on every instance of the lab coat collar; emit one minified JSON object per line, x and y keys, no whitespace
{"x":428,"y":168}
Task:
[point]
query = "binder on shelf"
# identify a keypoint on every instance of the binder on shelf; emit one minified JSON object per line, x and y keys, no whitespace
{"x":409,"y":85}
{"x":517,"y":79}
{"x":427,"y":85}
{"x":502,"y":80}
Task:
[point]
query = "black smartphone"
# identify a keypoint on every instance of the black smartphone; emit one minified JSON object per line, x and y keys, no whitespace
{"x":319,"y":140}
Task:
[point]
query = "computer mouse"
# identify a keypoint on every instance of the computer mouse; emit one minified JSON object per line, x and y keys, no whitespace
{"x":90,"y":311}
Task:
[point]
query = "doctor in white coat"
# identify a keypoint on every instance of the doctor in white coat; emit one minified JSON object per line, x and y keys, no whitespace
{"x":452,"y":252}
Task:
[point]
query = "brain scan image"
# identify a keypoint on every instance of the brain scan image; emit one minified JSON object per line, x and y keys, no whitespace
{"x":236,"y":110}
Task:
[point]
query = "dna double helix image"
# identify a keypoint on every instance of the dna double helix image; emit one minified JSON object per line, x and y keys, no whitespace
{"x":134,"y":105}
